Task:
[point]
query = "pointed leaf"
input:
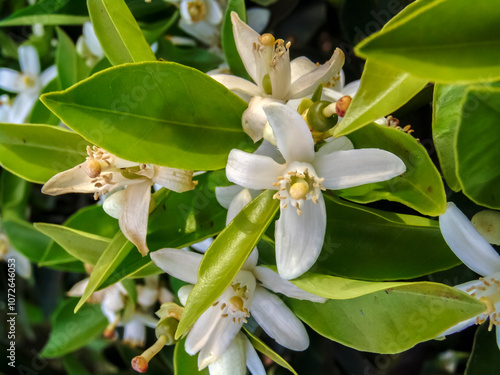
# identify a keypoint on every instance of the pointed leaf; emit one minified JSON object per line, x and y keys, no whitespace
{"x":161,"y":109}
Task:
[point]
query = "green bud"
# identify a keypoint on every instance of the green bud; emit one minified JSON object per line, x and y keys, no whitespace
{"x":317,"y":121}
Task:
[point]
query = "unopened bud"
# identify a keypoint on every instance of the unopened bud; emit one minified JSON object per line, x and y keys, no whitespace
{"x":342,"y":105}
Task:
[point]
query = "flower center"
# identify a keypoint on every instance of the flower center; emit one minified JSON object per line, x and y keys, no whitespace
{"x":197,"y":10}
{"x":235,"y":306}
{"x":297,"y":186}
{"x":28,"y":81}
{"x":489,"y":293}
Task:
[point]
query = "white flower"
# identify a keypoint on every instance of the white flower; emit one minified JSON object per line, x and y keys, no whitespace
{"x":88,"y":45}
{"x":267,"y":61}
{"x":22,"y":264}
{"x":301,"y":227}
{"x":477,"y":254}
{"x":103,"y":172}
{"x":28,"y":83}
{"x":213,"y":334}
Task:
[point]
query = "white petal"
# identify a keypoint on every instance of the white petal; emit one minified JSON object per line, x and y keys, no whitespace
{"x":12,"y":81}
{"x":237,"y":204}
{"x":74,"y":180}
{"x":91,"y":40}
{"x":351,"y":88}
{"x":22,"y":106}
{"x":214,"y":14}
{"x":459,"y":327}
{"x":254,"y":118}
{"x":178,"y":180}
{"x":463,"y":287}
{"x":48,"y":75}
{"x":258,"y":18}
{"x":184,"y":10}
{"x":344,"y":169}
{"x":299,"y":238}
{"x":183,"y":293}
{"x":146,"y":297}
{"x":252,"y":260}
{"x":252,"y":171}
{"x":203,"y":31}
{"x":278,"y":321}
{"x":114,"y":203}
{"x":271,"y":280}
{"x":336,"y":144}
{"x":134,"y":332}
{"x":181,"y":264}
{"x":233,"y":361}
{"x":306,"y":84}
{"x":23,"y":264}
{"x":254,"y":363}
{"x":331,"y":95}
{"x":268,"y":149}
{"x":294,"y":138}
{"x":301,"y":66}
{"x":245,"y":37}
{"x":237,"y":84}
{"x":225,"y":194}
{"x":467,"y":244}
{"x":134,"y":216}
{"x":78,"y":289}
{"x":28,"y":60}
{"x":203,"y":246}
{"x":280,"y":75}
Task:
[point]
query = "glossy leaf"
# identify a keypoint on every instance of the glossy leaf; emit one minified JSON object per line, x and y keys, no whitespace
{"x":385,"y":245}
{"x":268,"y":352}
{"x":162,"y":110}
{"x":226,"y":255}
{"x":185,"y":363}
{"x":485,"y":357}
{"x":382,"y":91}
{"x":83,"y":246}
{"x":227,"y":38}
{"x":119,"y":34}
{"x":463,"y":49}
{"x":110,"y":259}
{"x":392,"y":320}
{"x":420,"y":187}
{"x":92,"y":220}
{"x":38,"y":152}
{"x":71,"y":331}
{"x":48,"y":12}
{"x":446,"y":114}
{"x":477,"y":148}
{"x":71,"y":68}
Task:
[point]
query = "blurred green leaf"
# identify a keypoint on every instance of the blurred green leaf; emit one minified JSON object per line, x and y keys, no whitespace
{"x":71,"y":331}
{"x":73,"y":366}
{"x":465,"y":48}
{"x":71,"y":68}
{"x":38,"y":152}
{"x":160,"y":108}
{"x":420,"y":187}
{"x":485,"y":358}
{"x":40,"y":114}
{"x":185,"y":363}
{"x":226,"y":255}
{"x":119,"y":34}
{"x":14,"y":192}
{"x":477,"y":147}
{"x":392,"y":320}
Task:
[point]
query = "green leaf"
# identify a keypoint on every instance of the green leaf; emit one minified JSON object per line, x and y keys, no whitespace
{"x":72,"y":331}
{"x":268,"y":352}
{"x":107,"y":263}
{"x":420,"y":187}
{"x":71,"y":68}
{"x":385,"y":245}
{"x":14,"y":192}
{"x":227,"y":38}
{"x":392,"y":320}
{"x":383,"y":90}
{"x":465,"y":48}
{"x":446,"y":115}
{"x":226,"y":255}
{"x":160,"y":108}
{"x":38,"y":152}
{"x":40,"y":114}
{"x":477,"y":148}
{"x":83,"y":246}
{"x":119,"y":34}
{"x":25,"y":238}
{"x":91,"y":219}
{"x":73,"y":366}
{"x":185,"y":363}
{"x":485,"y":357}
{"x":45,"y":12}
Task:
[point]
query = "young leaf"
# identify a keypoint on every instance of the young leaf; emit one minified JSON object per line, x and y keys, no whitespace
{"x":392,"y":320}
{"x":226,"y":255}
{"x":71,"y":331}
{"x":385,"y":245}
{"x":420,"y":187}
{"x":119,"y":34}
{"x":485,"y":358}
{"x":477,"y":148}
{"x":383,"y":90}
{"x":161,"y":110}
{"x":227,"y":38}
{"x":38,"y":152}
{"x":463,"y":49}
